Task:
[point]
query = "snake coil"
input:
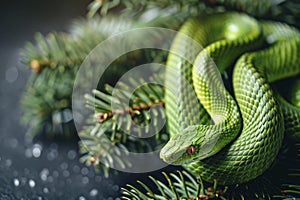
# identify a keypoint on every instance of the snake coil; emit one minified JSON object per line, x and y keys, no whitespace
{"x":232,"y":137}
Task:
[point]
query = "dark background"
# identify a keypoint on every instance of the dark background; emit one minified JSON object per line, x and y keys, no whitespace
{"x":40,"y":169}
{"x":43,"y":169}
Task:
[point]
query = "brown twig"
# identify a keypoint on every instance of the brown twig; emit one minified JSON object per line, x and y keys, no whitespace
{"x":102,"y":117}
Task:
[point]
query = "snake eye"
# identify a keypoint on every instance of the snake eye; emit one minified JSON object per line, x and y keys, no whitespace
{"x":191,"y":150}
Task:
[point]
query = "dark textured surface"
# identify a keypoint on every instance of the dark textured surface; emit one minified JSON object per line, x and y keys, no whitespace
{"x":41,"y":169}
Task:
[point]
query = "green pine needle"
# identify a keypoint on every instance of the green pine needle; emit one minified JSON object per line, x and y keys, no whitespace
{"x":281,"y":10}
{"x":56,"y":58}
{"x":174,"y":186}
{"x":117,"y":125}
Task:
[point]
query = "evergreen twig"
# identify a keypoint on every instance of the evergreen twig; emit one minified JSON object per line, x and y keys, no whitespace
{"x":178,"y":186}
{"x":281,"y":10}
{"x":121,"y":124}
{"x":56,"y":58}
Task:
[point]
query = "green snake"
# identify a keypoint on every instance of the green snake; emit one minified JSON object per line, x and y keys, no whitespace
{"x":231,"y":136}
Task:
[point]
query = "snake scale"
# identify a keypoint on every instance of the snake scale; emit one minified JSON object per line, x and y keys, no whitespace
{"x":229,"y":136}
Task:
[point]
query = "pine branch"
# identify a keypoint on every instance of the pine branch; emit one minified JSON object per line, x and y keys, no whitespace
{"x":46,"y":103}
{"x":175,"y":186}
{"x":96,"y":147}
{"x":55,"y":59}
{"x":139,"y":7}
{"x":68,"y":50}
{"x":186,"y":186}
{"x":145,"y":96}
{"x":281,"y":10}
{"x":290,"y":187}
{"x":119,"y":125}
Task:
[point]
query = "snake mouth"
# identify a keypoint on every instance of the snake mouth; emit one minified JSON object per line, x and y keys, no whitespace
{"x":170,"y":154}
{"x":166,"y":156}
{"x":171,"y":161}
{"x":175,"y":159}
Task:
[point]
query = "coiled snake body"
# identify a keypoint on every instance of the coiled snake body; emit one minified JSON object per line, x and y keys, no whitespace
{"x":231,"y":138}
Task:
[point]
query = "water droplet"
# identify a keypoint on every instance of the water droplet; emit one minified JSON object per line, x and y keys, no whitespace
{"x":117,"y":198}
{"x":81,"y":198}
{"x":23,"y":180}
{"x":52,"y":154}
{"x":13,"y":143}
{"x":98,"y":179}
{"x":115,"y":188}
{"x":64,"y":165}
{"x":44,"y":174}
{"x":36,"y":150}
{"x":66,"y":173}
{"x":50,"y":179}
{"x":16,"y":182}
{"x":15,"y":173}
{"x":69,"y":181}
{"x":71,"y":154}
{"x":11,"y":74}
{"x":8,"y":162}
{"x":85,"y":180}
{"x":93,"y":192}
{"x":31,"y":183}
{"x":84,"y":171}
{"x":45,"y":190}
{"x":28,"y":153}
{"x":26,"y":171}
{"x":55,"y":174}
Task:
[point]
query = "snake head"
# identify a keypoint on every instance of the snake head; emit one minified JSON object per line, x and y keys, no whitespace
{"x":194,"y":142}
